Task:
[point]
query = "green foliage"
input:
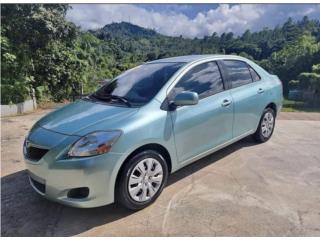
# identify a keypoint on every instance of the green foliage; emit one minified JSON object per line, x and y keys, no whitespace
{"x":311,"y":81}
{"x":13,"y":82}
{"x":41,"y":50}
{"x":299,"y":106}
{"x":294,"y":84}
{"x":286,"y":50}
{"x":316,"y":68}
{"x":13,"y":93}
{"x":33,"y":38}
{"x":296,"y":57}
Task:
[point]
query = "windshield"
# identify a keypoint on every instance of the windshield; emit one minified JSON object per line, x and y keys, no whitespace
{"x":139,"y":85}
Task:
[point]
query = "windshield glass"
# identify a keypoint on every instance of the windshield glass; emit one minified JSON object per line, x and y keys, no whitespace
{"x":138,"y":85}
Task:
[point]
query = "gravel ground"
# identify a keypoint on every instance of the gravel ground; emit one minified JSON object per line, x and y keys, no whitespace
{"x":271,"y":189}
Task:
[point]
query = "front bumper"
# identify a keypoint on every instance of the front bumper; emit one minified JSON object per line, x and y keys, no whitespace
{"x":54,"y":176}
{"x":95,"y":173}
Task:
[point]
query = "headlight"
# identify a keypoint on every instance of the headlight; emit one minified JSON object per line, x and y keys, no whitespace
{"x":94,"y":144}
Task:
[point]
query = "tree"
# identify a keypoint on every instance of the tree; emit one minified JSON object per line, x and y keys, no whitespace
{"x":310,"y":81}
{"x":30,"y":31}
{"x":39,"y":48}
{"x":295,"y":58}
{"x":13,"y":82}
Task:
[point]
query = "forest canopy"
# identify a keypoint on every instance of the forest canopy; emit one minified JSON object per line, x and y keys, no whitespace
{"x":40,"y":49}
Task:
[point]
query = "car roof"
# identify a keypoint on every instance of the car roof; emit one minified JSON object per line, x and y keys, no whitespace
{"x":192,"y":58}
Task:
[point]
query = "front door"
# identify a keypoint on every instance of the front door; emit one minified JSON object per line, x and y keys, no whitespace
{"x":202,"y":127}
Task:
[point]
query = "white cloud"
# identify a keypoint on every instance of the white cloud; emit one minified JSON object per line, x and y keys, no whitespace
{"x":224,"y":18}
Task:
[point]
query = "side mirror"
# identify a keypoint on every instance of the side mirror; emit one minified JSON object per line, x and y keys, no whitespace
{"x":185,"y":99}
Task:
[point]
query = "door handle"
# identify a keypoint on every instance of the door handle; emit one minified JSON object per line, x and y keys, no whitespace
{"x":226,"y":103}
{"x":260,"y":90}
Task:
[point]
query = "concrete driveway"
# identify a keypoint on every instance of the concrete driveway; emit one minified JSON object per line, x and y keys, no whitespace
{"x":271,"y":189}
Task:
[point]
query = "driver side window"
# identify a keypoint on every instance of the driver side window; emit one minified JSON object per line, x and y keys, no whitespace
{"x":204,"y":79}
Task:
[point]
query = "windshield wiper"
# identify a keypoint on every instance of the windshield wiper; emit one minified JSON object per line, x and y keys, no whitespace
{"x":122,"y":99}
{"x":115,"y":97}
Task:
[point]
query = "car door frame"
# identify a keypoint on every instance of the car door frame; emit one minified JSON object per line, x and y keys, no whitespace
{"x":229,"y":84}
{"x":187,"y":68}
{"x":225,"y":74}
{"x":165,"y":104}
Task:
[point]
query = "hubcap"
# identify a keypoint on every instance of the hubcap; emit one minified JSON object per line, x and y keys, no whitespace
{"x":267,"y":124}
{"x":145,"y":180}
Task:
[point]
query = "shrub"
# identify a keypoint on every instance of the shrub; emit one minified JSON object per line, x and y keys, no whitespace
{"x":11,"y":94}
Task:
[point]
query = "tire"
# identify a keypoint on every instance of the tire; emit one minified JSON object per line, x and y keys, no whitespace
{"x":142,"y":180}
{"x":266,"y":126}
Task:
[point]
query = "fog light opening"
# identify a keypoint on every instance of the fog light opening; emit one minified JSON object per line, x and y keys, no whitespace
{"x":78,"y":193}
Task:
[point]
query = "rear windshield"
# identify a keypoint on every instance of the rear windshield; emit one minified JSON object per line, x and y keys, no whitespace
{"x":140,"y":84}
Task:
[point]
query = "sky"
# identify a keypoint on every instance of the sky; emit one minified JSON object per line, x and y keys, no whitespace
{"x":191,"y":20}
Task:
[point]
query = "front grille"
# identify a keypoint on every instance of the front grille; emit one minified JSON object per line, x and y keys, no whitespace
{"x":39,"y":186}
{"x":34,"y":153}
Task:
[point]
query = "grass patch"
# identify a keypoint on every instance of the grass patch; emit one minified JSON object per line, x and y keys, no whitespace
{"x":298,"y":106}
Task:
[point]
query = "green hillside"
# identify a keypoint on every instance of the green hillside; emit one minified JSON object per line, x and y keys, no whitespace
{"x":40,"y":49}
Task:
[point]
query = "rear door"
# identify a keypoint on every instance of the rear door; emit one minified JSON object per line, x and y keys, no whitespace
{"x":247,"y":91}
{"x":201,"y":127}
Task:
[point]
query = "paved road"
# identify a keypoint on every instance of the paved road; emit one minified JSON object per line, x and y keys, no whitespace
{"x":271,"y":189}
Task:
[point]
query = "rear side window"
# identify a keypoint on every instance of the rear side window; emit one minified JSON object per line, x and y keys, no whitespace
{"x":254,"y":74}
{"x":238,"y":72}
{"x":204,"y":79}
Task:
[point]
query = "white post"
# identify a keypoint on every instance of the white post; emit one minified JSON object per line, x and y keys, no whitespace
{"x":34,"y":100}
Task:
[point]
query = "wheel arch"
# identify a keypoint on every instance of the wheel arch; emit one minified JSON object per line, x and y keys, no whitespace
{"x":273,"y":106}
{"x":150,"y":146}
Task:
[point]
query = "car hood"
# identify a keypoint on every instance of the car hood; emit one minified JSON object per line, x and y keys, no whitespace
{"x":80,"y":115}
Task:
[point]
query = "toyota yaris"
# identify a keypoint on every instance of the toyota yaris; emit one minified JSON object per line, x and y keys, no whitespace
{"x":121,"y":142}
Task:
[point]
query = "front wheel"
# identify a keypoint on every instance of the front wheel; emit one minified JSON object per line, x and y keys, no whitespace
{"x":266,"y":126}
{"x":142,"y":180}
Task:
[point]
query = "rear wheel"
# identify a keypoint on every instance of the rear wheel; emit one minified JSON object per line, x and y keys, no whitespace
{"x":266,"y":126}
{"x":142,"y":180}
